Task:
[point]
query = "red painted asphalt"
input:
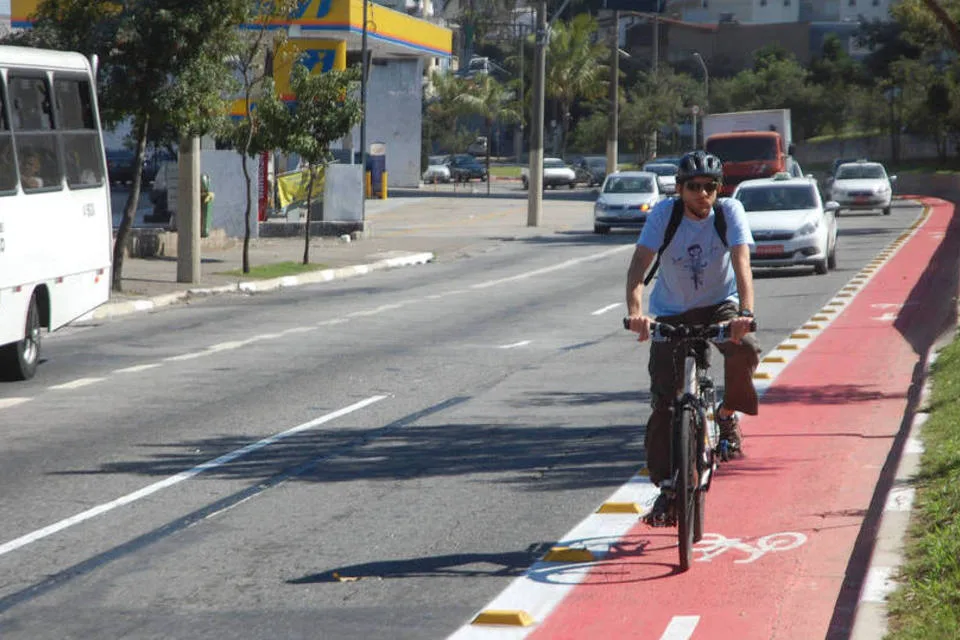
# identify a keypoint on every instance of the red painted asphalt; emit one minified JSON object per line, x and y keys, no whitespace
{"x":798,"y":502}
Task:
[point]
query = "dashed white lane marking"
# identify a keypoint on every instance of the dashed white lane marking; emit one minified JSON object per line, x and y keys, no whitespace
{"x":557,"y":267}
{"x":12,"y":402}
{"x":138,"y":368}
{"x":522,"y":343}
{"x":609,"y":307}
{"x":680,"y":628}
{"x":101,"y":509}
{"x":878,"y":585}
{"x":76,"y":384}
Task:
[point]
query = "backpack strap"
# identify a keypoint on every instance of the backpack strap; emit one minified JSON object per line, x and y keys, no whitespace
{"x":720,"y":223}
{"x":676,"y":216}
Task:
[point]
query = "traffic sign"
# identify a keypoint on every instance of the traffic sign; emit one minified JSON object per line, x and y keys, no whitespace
{"x":695,"y":109}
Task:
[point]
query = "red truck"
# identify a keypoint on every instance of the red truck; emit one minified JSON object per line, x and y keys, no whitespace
{"x":751,"y":144}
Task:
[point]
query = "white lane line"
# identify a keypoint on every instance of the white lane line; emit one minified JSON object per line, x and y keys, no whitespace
{"x":514,"y":345}
{"x":557,"y":267}
{"x":76,"y":384}
{"x":609,"y":307}
{"x":12,"y":402}
{"x":137,"y":368}
{"x":680,"y":628}
{"x":98,"y":510}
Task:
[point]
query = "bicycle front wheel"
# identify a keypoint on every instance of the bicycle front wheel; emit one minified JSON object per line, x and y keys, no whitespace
{"x":685,"y":450}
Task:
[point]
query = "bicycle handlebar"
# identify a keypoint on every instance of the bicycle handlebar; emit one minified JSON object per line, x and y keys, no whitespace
{"x":689,"y":331}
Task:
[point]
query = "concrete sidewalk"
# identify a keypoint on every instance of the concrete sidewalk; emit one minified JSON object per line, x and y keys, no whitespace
{"x":401,"y":232}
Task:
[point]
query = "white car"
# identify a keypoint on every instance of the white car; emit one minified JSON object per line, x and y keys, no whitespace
{"x":625,"y":199}
{"x":666,"y":176}
{"x":791,"y":225}
{"x":555,"y":173}
{"x":862,"y":185}
{"x":437,"y":170}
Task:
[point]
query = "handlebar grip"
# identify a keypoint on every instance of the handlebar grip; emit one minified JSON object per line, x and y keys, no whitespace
{"x":626,"y":324}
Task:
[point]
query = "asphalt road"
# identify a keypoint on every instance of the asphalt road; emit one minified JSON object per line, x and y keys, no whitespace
{"x":380,"y":455}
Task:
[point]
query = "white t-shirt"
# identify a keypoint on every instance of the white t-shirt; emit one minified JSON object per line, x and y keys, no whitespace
{"x":695,"y":269}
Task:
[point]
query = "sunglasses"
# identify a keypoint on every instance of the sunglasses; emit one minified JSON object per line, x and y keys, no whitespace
{"x":707,"y":187}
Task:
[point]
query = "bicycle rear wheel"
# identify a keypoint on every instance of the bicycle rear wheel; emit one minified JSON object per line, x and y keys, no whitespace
{"x":685,"y":450}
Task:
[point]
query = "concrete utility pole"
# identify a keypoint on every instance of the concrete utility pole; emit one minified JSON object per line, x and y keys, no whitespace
{"x":535,"y":174}
{"x":188,"y":211}
{"x":654,"y":137}
{"x":613,"y":128}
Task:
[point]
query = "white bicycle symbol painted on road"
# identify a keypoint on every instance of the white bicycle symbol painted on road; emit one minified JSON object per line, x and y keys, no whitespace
{"x":715,"y":544}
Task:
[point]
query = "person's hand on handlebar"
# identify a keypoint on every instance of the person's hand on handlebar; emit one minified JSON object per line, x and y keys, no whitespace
{"x":641,"y":326}
{"x":740,"y":327}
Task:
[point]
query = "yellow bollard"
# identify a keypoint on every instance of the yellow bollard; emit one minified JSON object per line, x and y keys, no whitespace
{"x":383,"y":186}
{"x":369,"y":186}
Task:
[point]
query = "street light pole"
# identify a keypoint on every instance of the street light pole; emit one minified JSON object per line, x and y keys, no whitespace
{"x":706,"y":86}
{"x":614,"y":122}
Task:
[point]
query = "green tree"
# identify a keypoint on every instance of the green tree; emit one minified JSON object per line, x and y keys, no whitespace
{"x":325,"y":109}
{"x":442,"y":110}
{"x":575,"y":66}
{"x":654,"y":103}
{"x":161,"y":63}
{"x":252,"y":62}
{"x":488,"y":99}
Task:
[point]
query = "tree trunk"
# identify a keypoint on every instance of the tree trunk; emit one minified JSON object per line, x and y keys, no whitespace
{"x":130,"y":210}
{"x":245,"y":259}
{"x":306,"y":232}
{"x":952,"y":30}
{"x":489,"y":151}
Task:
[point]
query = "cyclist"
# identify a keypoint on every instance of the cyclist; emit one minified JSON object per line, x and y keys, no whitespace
{"x":703,"y":280}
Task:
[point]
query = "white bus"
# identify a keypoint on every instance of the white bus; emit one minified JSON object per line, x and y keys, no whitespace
{"x":56,"y":228}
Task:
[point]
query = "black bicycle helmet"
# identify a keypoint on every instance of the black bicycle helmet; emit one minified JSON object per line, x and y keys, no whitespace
{"x":696,"y":164}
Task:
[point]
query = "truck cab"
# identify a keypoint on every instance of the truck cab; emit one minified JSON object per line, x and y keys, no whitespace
{"x":747,"y":155}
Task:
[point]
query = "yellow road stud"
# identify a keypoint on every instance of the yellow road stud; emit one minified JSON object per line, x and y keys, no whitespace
{"x":619,"y":507}
{"x":569,"y":554}
{"x":800,"y":336}
{"x":777,"y":359}
{"x":788,"y":347}
{"x":513,"y":618}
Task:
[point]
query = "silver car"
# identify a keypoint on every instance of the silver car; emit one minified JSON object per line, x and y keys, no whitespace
{"x":625,"y":199}
{"x":863,"y":186}
{"x":791,"y":225}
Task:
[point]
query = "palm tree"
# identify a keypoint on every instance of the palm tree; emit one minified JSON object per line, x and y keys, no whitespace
{"x":574,"y":66}
{"x":488,"y":99}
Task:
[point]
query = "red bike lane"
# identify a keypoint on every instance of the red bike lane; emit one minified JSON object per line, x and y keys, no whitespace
{"x":780,"y":557}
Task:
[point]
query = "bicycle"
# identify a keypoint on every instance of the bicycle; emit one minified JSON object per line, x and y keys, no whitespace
{"x":695,"y":442}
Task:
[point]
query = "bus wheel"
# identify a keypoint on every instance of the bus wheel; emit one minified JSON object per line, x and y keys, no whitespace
{"x":19,"y":360}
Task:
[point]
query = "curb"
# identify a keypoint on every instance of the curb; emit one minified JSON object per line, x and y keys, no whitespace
{"x":870,"y":619}
{"x":116,"y":309}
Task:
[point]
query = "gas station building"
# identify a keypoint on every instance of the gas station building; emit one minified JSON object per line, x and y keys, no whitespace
{"x":328,"y":35}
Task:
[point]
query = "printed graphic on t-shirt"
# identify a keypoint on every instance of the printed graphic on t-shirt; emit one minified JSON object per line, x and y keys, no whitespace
{"x":694,"y":263}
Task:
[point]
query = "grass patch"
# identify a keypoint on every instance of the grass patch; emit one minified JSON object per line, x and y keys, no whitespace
{"x":275,"y":270}
{"x":505,"y":172}
{"x":927,"y":605}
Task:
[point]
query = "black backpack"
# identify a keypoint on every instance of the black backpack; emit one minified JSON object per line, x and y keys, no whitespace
{"x":719,"y":222}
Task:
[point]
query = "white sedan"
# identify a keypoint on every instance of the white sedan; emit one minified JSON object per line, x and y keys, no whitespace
{"x":862,"y":185}
{"x":437,"y":170}
{"x":625,"y":199}
{"x":791,"y":225}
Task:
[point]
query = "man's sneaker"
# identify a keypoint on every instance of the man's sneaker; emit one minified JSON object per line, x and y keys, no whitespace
{"x":664,"y":512}
{"x":730,"y":431}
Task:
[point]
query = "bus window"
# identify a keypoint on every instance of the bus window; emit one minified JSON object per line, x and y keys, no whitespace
{"x":32,"y":118}
{"x":79,"y":138}
{"x":8,"y":170}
